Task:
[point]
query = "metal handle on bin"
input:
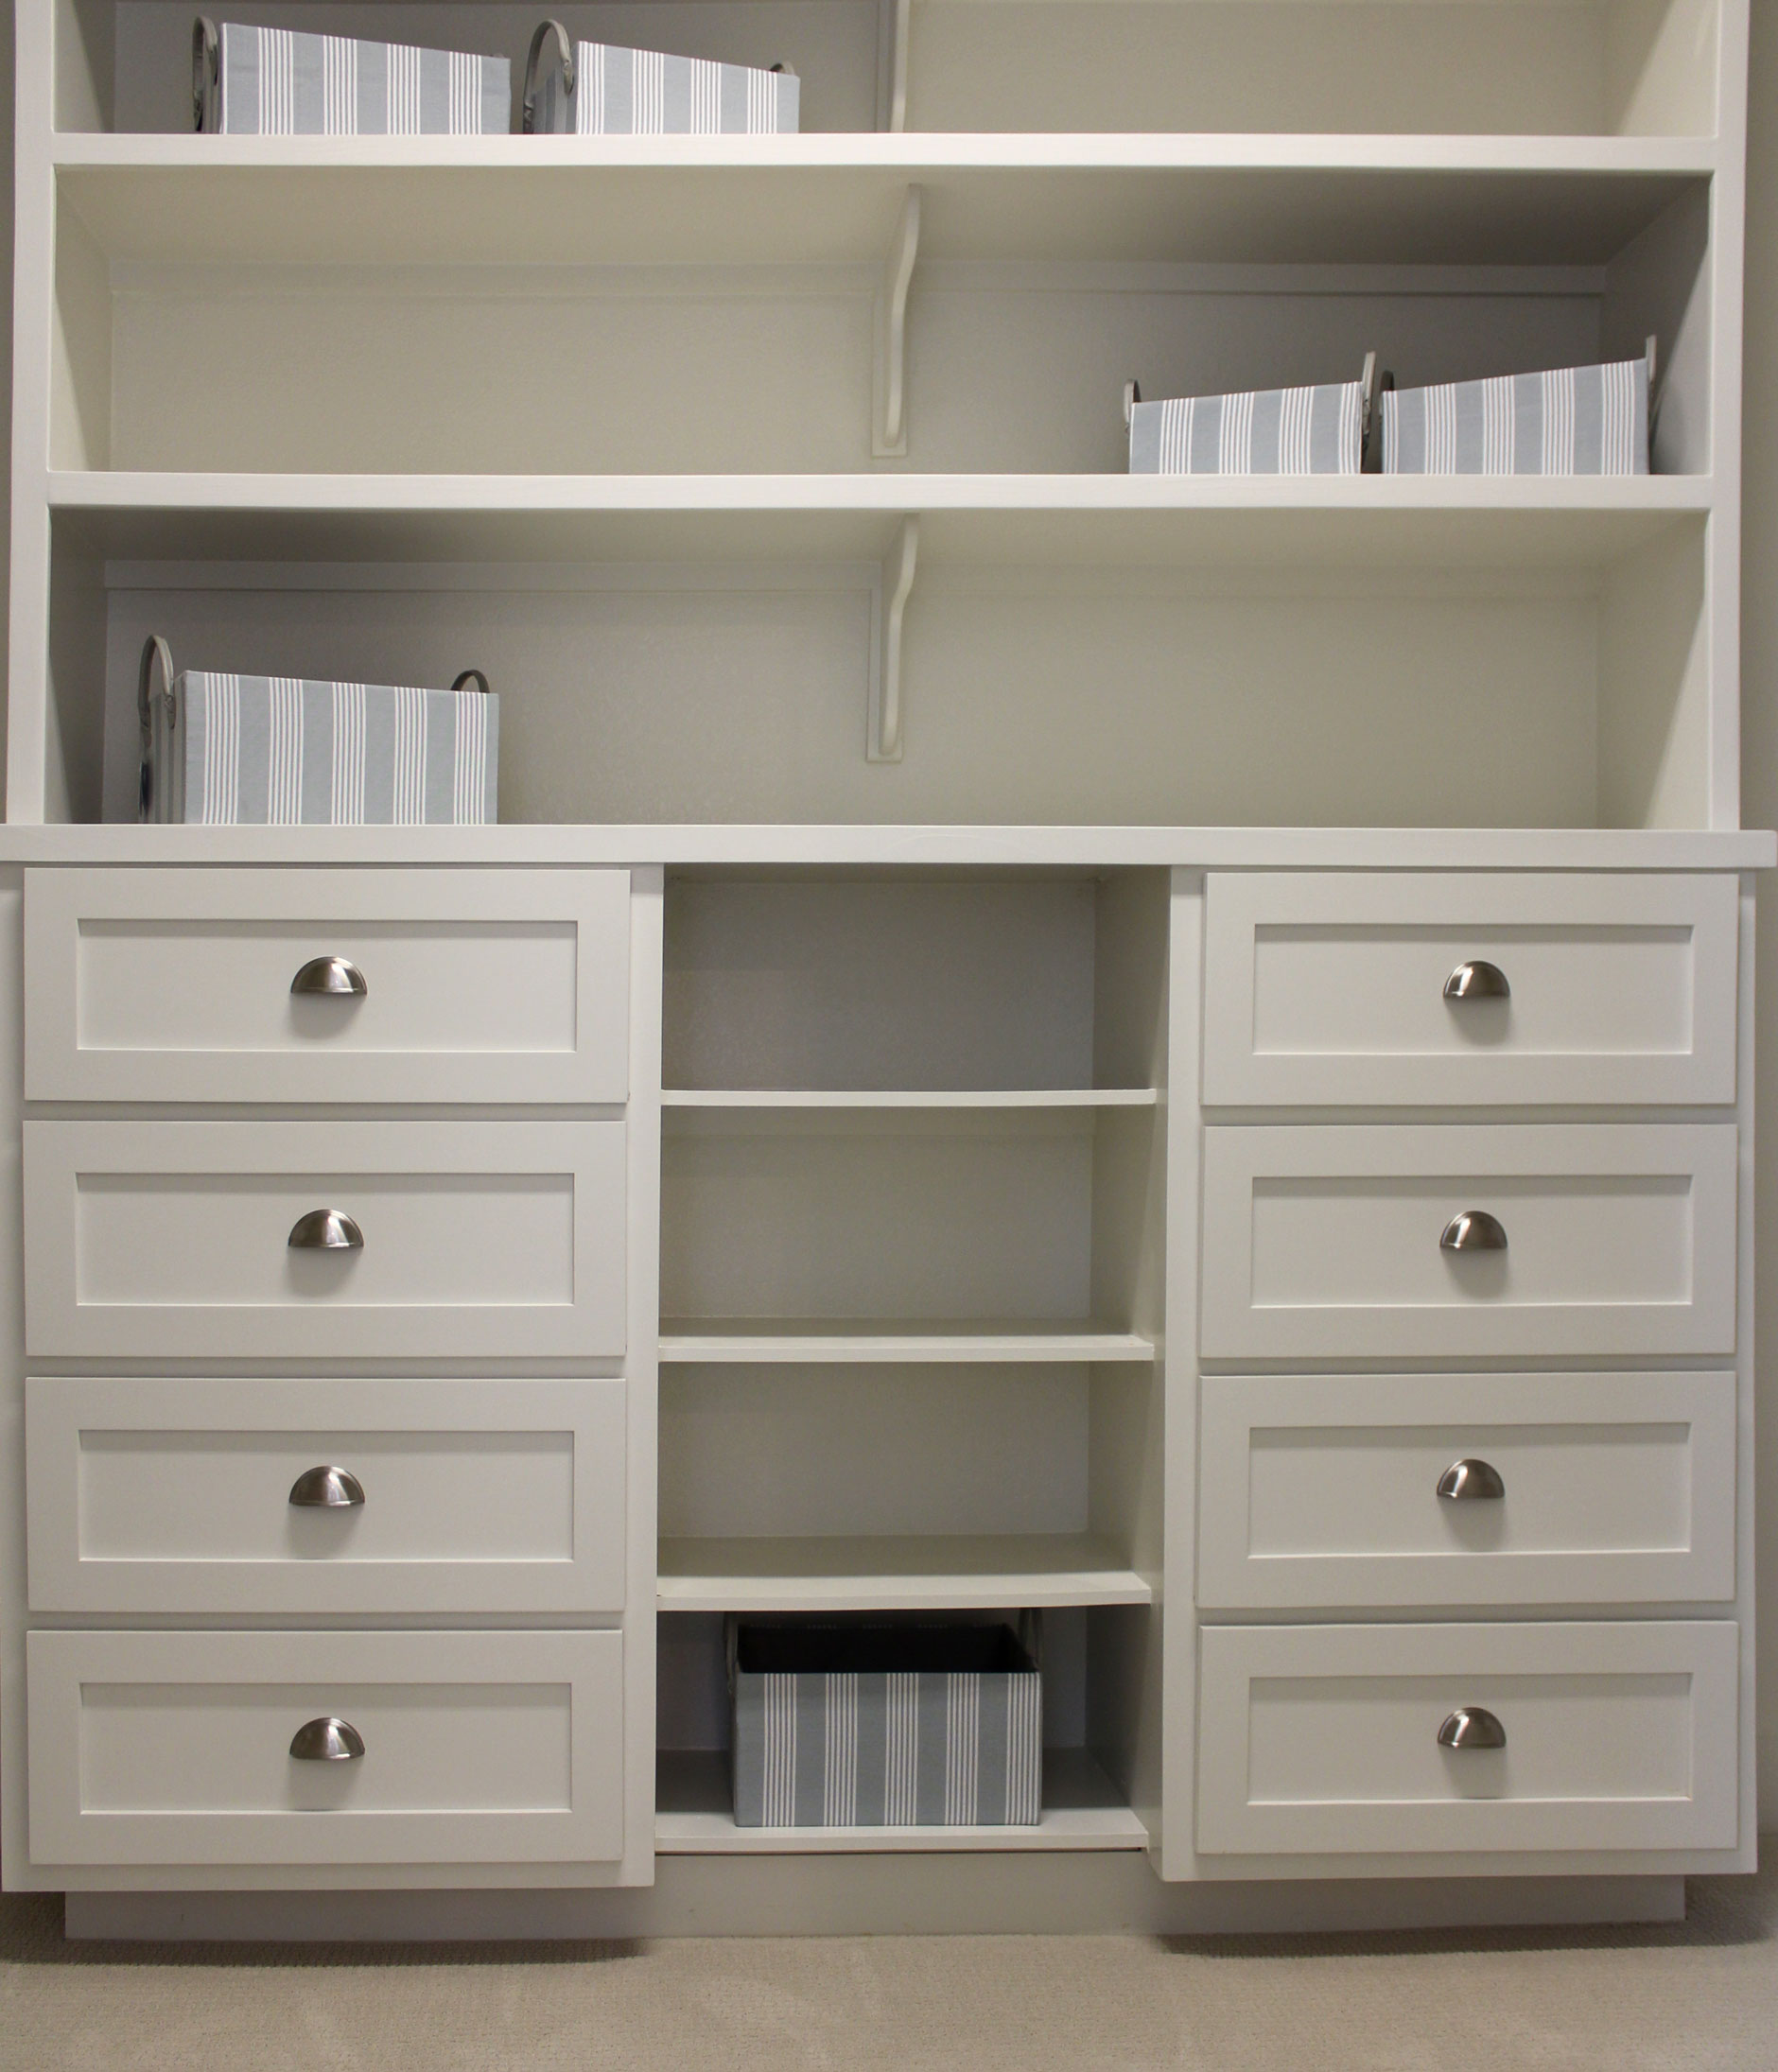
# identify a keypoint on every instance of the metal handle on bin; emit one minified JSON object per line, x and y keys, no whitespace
{"x":565,"y":57}
{"x":327,"y":1489}
{"x":1472,"y":1726}
{"x":337,"y":977}
{"x":472,"y":677}
{"x":156,"y":655}
{"x":328,"y":1740}
{"x":205,"y":75}
{"x":1476,"y":979}
{"x":1472,"y":1481}
{"x":1474,"y":1230}
{"x":325,"y":1230}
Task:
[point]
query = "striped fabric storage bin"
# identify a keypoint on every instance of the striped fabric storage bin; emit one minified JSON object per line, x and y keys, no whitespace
{"x":645,"y":92}
{"x":284,"y":82}
{"x":1267,"y":431}
{"x":285,"y":751}
{"x":890,"y":1726}
{"x":1575,"y":421}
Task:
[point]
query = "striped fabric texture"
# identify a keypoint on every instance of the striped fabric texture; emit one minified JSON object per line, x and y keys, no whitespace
{"x":283,"y":82}
{"x":1269,"y":431}
{"x":915,"y":1749}
{"x":645,"y":92}
{"x":279,"y":751}
{"x":1575,"y":421}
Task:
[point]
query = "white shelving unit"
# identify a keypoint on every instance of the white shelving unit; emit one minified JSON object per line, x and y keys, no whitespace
{"x":778,"y":486}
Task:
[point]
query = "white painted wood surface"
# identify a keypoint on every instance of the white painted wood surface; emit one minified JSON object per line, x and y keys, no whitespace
{"x":175,"y":985}
{"x":1326,"y":990}
{"x":905,"y":1571}
{"x":1321,"y":1490}
{"x":170,"y":1239}
{"x":1324,"y":1243}
{"x":173,"y":1496}
{"x":169,"y":1748}
{"x":1618,"y":1736}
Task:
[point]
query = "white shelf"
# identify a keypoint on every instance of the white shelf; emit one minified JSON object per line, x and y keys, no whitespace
{"x":1538,"y":524}
{"x":1039,"y":1098}
{"x":834,"y":199}
{"x":773,"y":1341}
{"x":910,"y":1573}
{"x":1082,"y":1809}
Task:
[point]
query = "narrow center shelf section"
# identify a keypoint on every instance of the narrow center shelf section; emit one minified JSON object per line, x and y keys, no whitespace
{"x":816,"y":1101}
{"x":900,"y":1571}
{"x":777,"y":1340}
{"x":1082,"y":1809}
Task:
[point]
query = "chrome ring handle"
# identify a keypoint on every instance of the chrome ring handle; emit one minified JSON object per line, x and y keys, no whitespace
{"x":565,"y":57}
{"x":206,"y":72}
{"x":1470,"y":1481}
{"x":1477,"y":980}
{"x":328,"y":1740}
{"x":325,"y":1230}
{"x":1472,"y":1726}
{"x":337,"y":977}
{"x":327,"y":1489}
{"x":1472,"y":1231}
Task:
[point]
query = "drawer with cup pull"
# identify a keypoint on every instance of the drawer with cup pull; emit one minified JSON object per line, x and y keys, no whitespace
{"x":374,"y":1240}
{"x":1387,"y":1739}
{"x":339,"y":986}
{"x":1324,"y":1491}
{"x":167,"y":1496}
{"x":1473,"y":1242}
{"x":305,"y":1748}
{"x":1329,"y":988}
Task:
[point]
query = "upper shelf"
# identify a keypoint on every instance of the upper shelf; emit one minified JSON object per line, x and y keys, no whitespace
{"x":818,"y":199}
{"x":1295,"y":522}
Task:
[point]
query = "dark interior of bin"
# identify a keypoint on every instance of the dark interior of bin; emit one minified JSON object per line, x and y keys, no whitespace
{"x":879,"y":1650}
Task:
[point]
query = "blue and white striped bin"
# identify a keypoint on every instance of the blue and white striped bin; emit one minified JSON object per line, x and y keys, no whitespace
{"x":1265,"y":431}
{"x":1573,"y":421}
{"x":607,"y":90}
{"x":289,"y":82}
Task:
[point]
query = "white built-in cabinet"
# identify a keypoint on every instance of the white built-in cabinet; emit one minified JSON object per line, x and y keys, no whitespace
{"x":942,"y":1096}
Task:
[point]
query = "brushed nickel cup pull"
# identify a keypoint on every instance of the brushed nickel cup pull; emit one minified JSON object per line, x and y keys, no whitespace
{"x":336,"y":976}
{"x":327,"y":1489}
{"x":325,"y":1230}
{"x":1472,"y":1726}
{"x":1474,"y":1230}
{"x":1463,"y":1482}
{"x":328,"y":1740}
{"x":1479,"y":979}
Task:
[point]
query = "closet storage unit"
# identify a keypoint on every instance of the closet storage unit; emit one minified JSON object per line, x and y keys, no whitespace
{"x":1166,"y":1050}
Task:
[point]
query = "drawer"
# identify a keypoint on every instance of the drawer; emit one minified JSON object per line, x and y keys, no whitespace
{"x":1327,"y":1243}
{"x":1321,"y":1490}
{"x":179,"y":1496}
{"x":168,"y":1239}
{"x":1328,"y":987}
{"x":1326,"y":1739}
{"x":176,"y":1747}
{"x":176,"y":986}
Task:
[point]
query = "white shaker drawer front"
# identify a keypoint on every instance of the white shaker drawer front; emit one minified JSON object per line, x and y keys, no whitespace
{"x":221,"y":1747}
{"x":268,"y":985}
{"x":1331,"y":987}
{"x":1498,"y":1489}
{"x":1377,"y":1739}
{"x":266,"y":1240}
{"x":1468,"y":1242}
{"x":325,"y":1496}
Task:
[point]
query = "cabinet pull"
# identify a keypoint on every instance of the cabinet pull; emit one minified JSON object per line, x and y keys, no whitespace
{"x":1474,"y":1230}
{"x":1478,"y":979}
{"x":325,"y":1230}
{"x":336,"y":976}
{"x":1472,"y":1726}
{"x":1468,"y":1481}
{"x":328,"y":1740}
{"x":339,"y":1489}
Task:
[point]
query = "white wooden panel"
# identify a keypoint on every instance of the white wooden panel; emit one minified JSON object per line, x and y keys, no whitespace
{"x":1322,"y":1490}
{"x":173,"y":1496}
{"x":175,"y":985}
{"x":174,"y":1748}
{"x":481,"y":1239}
{"x":1325,"y":1738}
{"x":1328,"y":987}
{"x":1324,"y":1243}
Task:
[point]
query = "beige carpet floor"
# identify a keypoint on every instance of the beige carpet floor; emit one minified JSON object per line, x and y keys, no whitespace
{"x":1701,"y":1995}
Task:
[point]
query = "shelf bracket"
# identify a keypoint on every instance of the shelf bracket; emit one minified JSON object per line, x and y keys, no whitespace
{"x":889,"y":416}
{"x":883,"y":734}
{"x":892,"y":63}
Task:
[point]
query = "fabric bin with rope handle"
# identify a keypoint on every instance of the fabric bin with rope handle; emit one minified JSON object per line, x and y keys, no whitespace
{"x":287,"y":751}
{"x":292,"y":83}
{"x":605,"y":90}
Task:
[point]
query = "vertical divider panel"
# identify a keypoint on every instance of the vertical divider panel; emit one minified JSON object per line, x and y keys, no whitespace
{"x":642,"y":1368}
